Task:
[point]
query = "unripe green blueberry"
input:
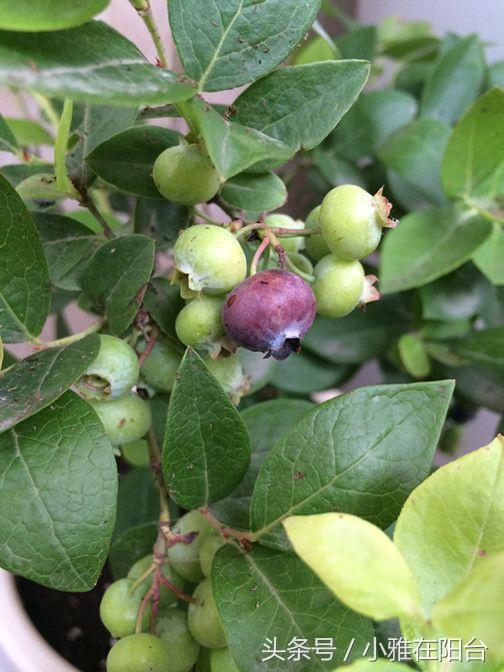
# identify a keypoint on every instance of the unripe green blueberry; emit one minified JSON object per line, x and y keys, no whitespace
{"x":184,"y":558}
{"x":229,"y":373}
{"x":125,"y":419}
{"x":203,"y":619}
{"x":258,"y":370}
{"x":139,"y":653}
{"x":281,"y":221}
{"x":160,"y":367}
{"x":113,"y":373}
{"x":184,"y":174}
{"x":340,"y":286}
{"x":167,"y":596}
{"x":209,"y":258}
{"x":315,"y":244}
{"x":136,"y":453}
{"x":172,"y":629}
{"x":119,"y":608}
{"x":352,"y":221}
{"x":222,"y":661}
{"x":208,"y":549}
{"x":199,"y":324}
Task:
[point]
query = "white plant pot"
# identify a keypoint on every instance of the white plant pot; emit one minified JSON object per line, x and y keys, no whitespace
{"x":20,"y":642}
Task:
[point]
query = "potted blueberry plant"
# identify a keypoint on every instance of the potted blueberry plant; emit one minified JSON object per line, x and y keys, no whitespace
{"x":170,"y":457}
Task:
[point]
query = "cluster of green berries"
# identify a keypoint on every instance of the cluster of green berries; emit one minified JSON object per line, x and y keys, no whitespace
{"x":351,"y":223}
{"x":182,"y":632}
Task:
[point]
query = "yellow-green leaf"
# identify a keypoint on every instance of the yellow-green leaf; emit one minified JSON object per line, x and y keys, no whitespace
{"x":475,"y":607}
{"x":358,"y":562}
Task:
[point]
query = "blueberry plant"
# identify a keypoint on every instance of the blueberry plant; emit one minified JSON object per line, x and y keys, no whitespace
{"x":250,"y":525}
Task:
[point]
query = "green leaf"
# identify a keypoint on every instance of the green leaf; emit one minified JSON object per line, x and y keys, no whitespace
{"x":482,"y":385}
{"x":163,"y":301}
{"x":115,"y":275}
{"x":265,"y":594}
{"x":300,"y":105}
{"x":488,"y":257}
{"x":29,"y":132}
{"x":266,"y":422}
{"x":99,"y":123}
{"x":413,"y":356}
{"x":232,"y":147}
{"x":57,"y":496}
{"x":358,"y":43}
{"x":254,"y":193}
{"x":223,"y":45}
{"x":317,"y":49}
{"x":16,"y":173}
{"x":137,"y":501}
{"x":357,"y":562}
{"x":161,"y":220}
{"x":336,"y":171}
{"x":429,"y":244}
{"x":206,"y":450}
{"x":41,"y":187}
{"x":457,"y":296}
{"x":63,"y":183}
{"x":24,"y":279}
{"x":453,"y":521}
{"x":8,"y":142}
{"x":484,"y":347}
{"x":126,"y":160}
{"x":92,"y":63}
{"x":475,"y":607}
{"x":323,"y":464}
{"x":68,"y":246}
{"x":35,"y":382}
{"x":34,"y":15}
{"x":415,"y":154}
{"x":454,"y":81}
{"x":135,"y":543}
{"x":374,"y":118}
{"x":359,"y":336}
{"x":473,"y":164}
{"x":306,"y":373}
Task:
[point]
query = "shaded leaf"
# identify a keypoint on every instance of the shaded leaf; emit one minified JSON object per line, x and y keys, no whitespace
{"x":254,"y":193}
{"x":268,"y":593}
{"x":56,"y":462}
{"x":163,"y":301}
{"x":137,"y":501}
{"x":8,"y":142}
{"x":160,"y":219}
{"x":266,"y":422}
{"x":24,"y":279}
{"x":454,"y":81}
{"x":206,"y":450}
{"x":115,"y":275}
{"x":374,"y":117}
{"x":306,"y":373}
{"x":429,"y":244}
{"x":29,"y":132}
{"x":35,"y":382}
{"x":130,"y":546}
{"x":126,"y":160}
{"x":488,"y":257}
{"x":473,"y":164}
{"x":68,"y":246}
{"x":415,"y":154}
{"x":484,"y":347}
{"x":100,"y":66}
{"x":34,"y":15}
{"x":233,"y":147}
{"x":457,"y":296}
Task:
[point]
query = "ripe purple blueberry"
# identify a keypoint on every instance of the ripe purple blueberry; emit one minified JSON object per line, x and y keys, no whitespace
{"x":270,"y":312}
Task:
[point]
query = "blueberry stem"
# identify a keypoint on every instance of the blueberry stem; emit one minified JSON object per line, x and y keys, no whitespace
{"x":259,"y":252}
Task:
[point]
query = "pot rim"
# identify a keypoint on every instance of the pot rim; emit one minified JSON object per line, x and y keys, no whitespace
{"x":20,"y":641}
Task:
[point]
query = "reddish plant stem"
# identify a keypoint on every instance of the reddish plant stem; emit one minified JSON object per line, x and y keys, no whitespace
{"x":154,"y":334}
{"x":179,"y":593}
{"x":259,"y":252}
{"x":224,"y":530}
{"x":141,"y":611}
